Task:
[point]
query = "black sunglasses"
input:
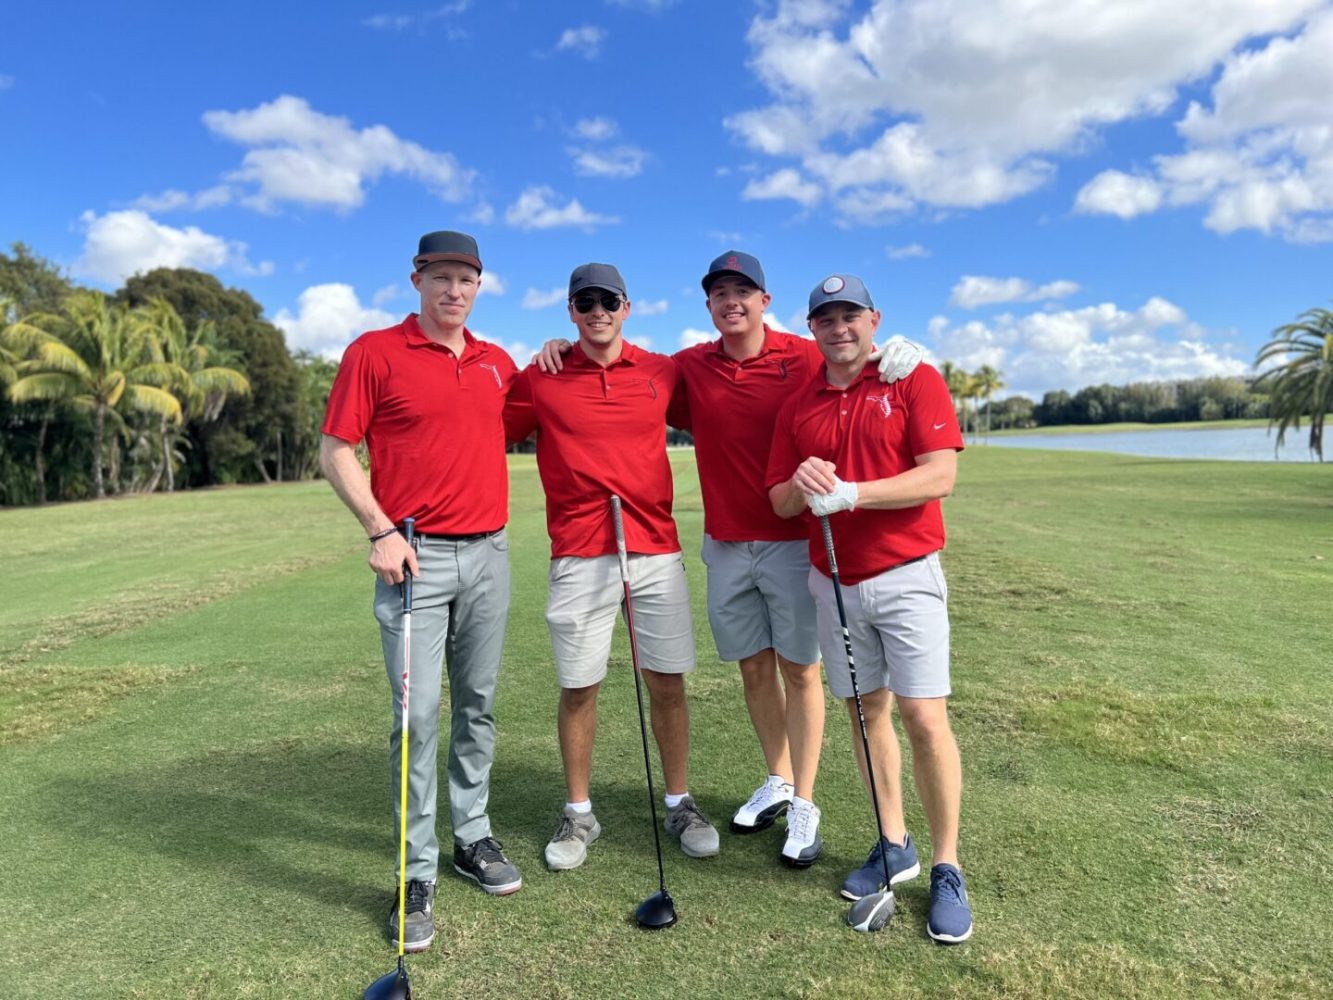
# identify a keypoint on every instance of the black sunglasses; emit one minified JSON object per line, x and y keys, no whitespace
{"x":586,"y":302}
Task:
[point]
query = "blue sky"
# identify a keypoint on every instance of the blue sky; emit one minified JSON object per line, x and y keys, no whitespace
{"x":1072,"y":192}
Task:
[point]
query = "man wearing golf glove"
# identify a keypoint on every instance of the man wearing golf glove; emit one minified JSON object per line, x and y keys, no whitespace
{"x":874,"y":461}
{"x":760,"y":611}
{"x":601,"y":431}
{"x":428,"y":397}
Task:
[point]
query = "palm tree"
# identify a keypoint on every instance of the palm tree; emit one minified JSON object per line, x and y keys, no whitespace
{"x":957,"y":381}
{"x":1301,"y":383}
{"x":988,"y":381}
{"x":100,"y":361}
{"x":19,"y":341}
{"x":201,"y":385}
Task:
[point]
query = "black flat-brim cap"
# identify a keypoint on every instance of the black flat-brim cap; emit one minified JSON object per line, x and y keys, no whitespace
{"x":446,"y":245}
{"x":597,"y":276}
{"x":734,"y":262}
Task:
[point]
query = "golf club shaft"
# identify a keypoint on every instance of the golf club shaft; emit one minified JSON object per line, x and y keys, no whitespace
{"x":856,"y":690}
{"x":409,"y":530}
{"x":638,"y":687}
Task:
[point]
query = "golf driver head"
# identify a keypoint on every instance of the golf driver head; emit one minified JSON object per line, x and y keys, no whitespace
{"x":871,"y":913}
{"x":656,"y":912}
{"x":394,"y":986}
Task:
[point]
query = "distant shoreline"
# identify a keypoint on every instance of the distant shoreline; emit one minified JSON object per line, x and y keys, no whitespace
{"x":1179,"y":425}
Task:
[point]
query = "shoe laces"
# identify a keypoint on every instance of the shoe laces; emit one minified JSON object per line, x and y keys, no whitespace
{"x":765,"y":795}
{"x":799,"y":821}
{"x":418,"y":896}
{"x":946,"y":884}
{"x":566,"y":830}
{"x":690,"y":814}
{"x":486,"y":852}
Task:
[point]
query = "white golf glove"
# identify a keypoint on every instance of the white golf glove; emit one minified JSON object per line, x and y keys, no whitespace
{"x":843,"y":497}
{"x":898,"y":358}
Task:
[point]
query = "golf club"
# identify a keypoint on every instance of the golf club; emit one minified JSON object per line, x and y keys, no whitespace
{"x":396,"y":985}
{"x":873,"y":912}
{"x":659,"y":909}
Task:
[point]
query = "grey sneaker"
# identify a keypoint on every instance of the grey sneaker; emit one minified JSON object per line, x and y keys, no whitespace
{"x":419,"y":927}
{"x":485,"y":863}
{"x":569,"y":845}
{"x":697,"y":836}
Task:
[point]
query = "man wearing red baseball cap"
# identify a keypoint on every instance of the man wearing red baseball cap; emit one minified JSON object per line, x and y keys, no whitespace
{"x":878,"y":459}
{"x":601,"y":430}
{"x":427,"y":397}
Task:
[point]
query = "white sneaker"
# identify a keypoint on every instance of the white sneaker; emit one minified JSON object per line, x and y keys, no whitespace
{"x":803,"y":845}
{"x":769,"y":801}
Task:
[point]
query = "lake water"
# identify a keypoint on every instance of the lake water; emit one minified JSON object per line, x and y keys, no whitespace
{"x":1234,"y":444}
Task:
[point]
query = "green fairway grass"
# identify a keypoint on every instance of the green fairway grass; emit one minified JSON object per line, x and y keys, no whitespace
{"x":195,"y":796}
{"x":1131,"y":425}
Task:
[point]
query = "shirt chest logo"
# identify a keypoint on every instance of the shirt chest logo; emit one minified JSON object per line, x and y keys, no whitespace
{"x":885,"y":407}
{"x":495,"y":373}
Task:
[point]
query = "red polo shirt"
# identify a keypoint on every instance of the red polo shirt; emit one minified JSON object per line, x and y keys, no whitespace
{"x":869,"y":431}
{"x":730,"y":407}
{"x":433,"y":423}
{"x":600,"y":430}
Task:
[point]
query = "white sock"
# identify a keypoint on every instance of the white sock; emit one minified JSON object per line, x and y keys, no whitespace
{"x":674,"y":800}
{"x":580,"y":807}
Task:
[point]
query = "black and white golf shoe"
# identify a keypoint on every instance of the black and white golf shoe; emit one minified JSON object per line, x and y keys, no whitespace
{"x":803,"y":845}
{"x":769,"y":801}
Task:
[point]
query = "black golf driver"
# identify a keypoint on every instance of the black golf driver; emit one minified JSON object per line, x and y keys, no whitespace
{"x":873,"y":912}
{"x":396,"y":985}
{"x":659,"y":909}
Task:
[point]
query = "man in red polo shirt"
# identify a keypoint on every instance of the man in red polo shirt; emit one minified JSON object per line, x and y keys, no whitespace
{"x":878,"y":459}
{"x":601,"y":430}
{"x":428,"y":399}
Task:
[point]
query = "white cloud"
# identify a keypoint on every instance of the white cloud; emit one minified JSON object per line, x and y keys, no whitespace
{"x":120,"y":244}
{"x":595,"y":129}
{"x":649,"y":307}
{"x":536,"y":209}
{"x":386,"y":294}
{"x":491,"y":284}
{"x":904,"y":252}
{"x":974,"y":290}
{"x":398,"y":22}
{"x":691,"y":336}
{"x":620,"y":162}
{"x":301,"y":155}
{"x":966,"y":103}
{"x":1073,"y":348}
{"x":328,"y":318}
{"x":725,"y":236}
{"x":585,"y":41}
{"x":792,"y":327}
{"x":535,"y":298}
{"x":6,"y":81}
{"x":785,"y":183}
{"x":173,"y":200}
{"x":1114,"y":193}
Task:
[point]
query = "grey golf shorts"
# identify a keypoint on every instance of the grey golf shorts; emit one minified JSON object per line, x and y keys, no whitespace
{"x":586,"y":596}
{"x":899,"y":625}
{"x":758,"y":599}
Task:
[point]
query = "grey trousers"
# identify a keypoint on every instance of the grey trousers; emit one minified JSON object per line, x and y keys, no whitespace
{"x":460,"y":604}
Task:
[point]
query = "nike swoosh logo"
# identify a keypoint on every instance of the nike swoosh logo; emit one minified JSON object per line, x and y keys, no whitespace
{"x":938,"y":426}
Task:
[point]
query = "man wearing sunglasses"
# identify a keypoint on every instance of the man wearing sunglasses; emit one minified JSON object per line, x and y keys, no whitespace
{"x":601,"y":430}
{"x":759,"y":605}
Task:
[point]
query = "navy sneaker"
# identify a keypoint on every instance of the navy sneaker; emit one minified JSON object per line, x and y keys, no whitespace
{"x":950,"y":915}
{"x":869,"y":878}
{"x":485,"y":863}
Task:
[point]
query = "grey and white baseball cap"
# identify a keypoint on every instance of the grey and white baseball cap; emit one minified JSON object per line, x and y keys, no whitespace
{"x":840,"y":288}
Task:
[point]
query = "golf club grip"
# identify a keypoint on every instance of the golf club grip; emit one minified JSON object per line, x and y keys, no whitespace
{"x":618,"y":520}
{"x":828,"y":545}
{"x":410,"y":533}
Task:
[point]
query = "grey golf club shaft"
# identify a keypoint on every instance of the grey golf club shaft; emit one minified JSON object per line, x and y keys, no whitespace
{"x":638,"y":687}
{"x":856,"y":690}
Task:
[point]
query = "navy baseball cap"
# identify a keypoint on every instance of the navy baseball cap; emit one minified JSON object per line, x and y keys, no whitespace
{"x":596,"y":276}
{"x":737,"y":263}
{"x":446,"y":245}
{"x":840,"y":288}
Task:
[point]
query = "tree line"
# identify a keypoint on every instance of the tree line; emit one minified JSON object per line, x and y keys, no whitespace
{"x":172,"y":382}
{"x":175,"y":381}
